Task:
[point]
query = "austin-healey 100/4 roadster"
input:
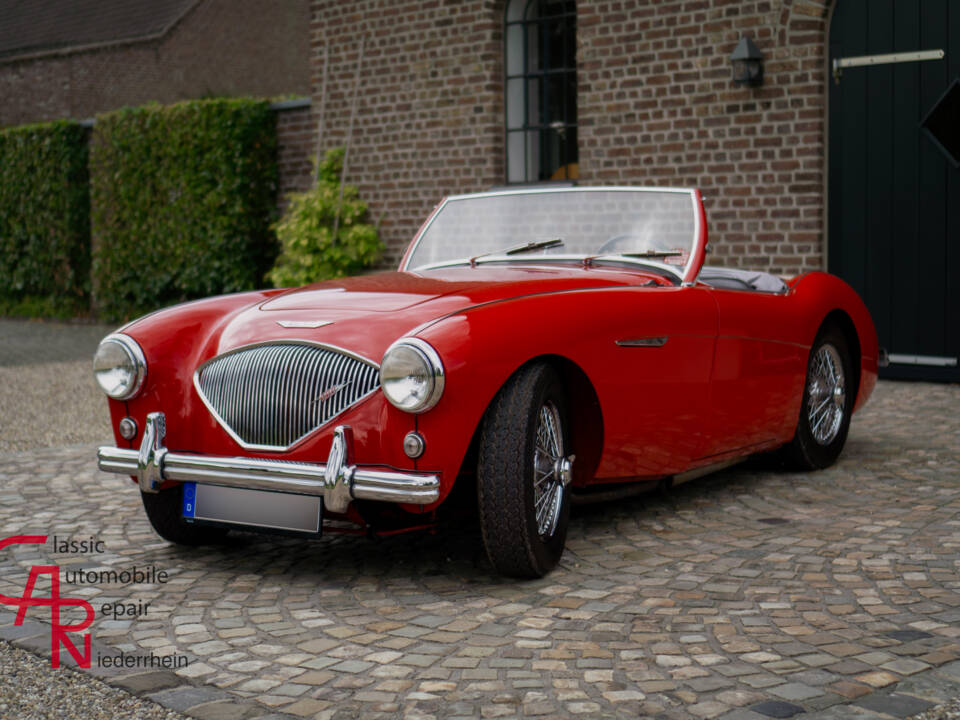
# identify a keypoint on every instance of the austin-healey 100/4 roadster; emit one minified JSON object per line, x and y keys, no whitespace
{"x":535,"y":345}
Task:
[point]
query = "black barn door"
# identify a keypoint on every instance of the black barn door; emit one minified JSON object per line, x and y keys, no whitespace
{"x":894,"y":175}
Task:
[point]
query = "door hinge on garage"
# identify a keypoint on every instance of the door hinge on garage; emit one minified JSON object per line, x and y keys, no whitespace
{"x":886,"y":59}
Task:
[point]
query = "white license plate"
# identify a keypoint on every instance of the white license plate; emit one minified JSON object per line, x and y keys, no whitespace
{"x":252,"y":508}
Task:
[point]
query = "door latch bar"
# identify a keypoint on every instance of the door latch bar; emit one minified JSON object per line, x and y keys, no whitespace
{"x":885,"y":59}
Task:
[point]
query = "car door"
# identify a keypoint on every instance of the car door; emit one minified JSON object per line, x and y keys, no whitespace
{"x":758,"y":372}
{"x":655,"y":346}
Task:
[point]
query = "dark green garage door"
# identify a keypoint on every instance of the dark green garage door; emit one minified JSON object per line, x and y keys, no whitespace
{"x":894,"y":174}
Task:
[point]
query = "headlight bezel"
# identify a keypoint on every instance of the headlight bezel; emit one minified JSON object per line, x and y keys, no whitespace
{"x":136,"y":357}
{"x":434,"y":371}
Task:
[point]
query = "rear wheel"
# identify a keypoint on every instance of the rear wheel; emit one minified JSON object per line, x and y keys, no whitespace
{"x":523,"y":474}
{"x":165,"y":510}
{"x":827,"y":403}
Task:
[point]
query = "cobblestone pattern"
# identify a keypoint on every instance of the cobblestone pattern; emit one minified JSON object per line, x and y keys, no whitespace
{"x":753,"y":591}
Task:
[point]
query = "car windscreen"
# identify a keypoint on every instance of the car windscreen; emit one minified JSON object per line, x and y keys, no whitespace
{"x":656,"y":225}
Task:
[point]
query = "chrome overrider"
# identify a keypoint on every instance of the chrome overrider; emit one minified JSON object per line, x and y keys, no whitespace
{"x":337,"y":480}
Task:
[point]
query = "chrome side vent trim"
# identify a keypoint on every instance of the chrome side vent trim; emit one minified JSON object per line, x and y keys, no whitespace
{"x":270,"y":396}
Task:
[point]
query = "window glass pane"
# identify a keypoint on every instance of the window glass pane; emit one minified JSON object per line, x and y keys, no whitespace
{"x":556,"y":85}
{"x":570,"y":82}
{"x":533,"y":101}
{"x":515,"y":50}
{"x":532,"y":10}
{"x":515,"y":113}
{"x":553,"y":8}
{"x":556,"y":37}
{"x":570,"y":47}
{"x":533,"y":47}
{"x":572,"y":153}
{"x":552,"y":160}
{"x":533,"y":155}
{"x":516,"y":172}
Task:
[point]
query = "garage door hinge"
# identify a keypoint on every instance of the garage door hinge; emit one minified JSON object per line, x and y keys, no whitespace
{"x":861,"y":60}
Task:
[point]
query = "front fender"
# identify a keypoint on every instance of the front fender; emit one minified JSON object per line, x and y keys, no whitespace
{"x":483,"y":346}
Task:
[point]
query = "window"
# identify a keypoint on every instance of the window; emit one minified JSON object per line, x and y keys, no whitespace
{"x":541,"y":90}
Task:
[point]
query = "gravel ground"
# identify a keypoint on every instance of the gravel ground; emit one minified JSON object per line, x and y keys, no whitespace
{"x":51,"y":405}
{"x":32,"y":690}
{"x":947,"y":711}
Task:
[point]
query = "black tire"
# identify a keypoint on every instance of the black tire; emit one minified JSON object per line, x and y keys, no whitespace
{"x":821,"y":434}
{"x":517,"y":542}
{"x":165,"y":512}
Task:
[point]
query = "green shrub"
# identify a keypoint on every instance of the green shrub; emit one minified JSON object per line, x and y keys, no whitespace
{"x":44,"y":219}
{"x":308,"y":252}
{"x":182,"y":200}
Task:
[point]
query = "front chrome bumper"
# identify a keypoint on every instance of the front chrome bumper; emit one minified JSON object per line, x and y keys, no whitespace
{"x":337,"y":481}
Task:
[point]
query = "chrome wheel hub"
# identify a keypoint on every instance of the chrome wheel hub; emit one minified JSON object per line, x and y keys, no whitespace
{"x":552,"y":471}
{"x":826,"y":395}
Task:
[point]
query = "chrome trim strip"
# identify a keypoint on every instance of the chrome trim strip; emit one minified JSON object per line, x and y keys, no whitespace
{"x":699,"y":472}
{"x":644,"y":342}
{"x":336,"y":480}
{"x":929,"y":360}
{"x":230,"y":397}
{"x":697,"y":229}
{"x":310,"y":324}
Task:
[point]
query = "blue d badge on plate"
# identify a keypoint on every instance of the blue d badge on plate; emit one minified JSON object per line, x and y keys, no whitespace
{"x":189,"y":499}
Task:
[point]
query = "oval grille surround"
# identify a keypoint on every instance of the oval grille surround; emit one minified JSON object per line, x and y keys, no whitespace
{"x":272,"y":395}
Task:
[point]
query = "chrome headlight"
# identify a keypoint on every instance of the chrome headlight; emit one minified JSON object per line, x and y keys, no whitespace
{"x":411,"y":375}
{"x":119,"y":366}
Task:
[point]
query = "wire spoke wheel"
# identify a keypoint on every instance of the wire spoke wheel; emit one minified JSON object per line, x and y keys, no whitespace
{"x":547,"y":459}
{"x":826,"y":395}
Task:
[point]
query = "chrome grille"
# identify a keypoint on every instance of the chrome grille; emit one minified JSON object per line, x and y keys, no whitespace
{"x":272,"y":395}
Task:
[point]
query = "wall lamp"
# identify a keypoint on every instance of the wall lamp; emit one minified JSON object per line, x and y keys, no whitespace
{"x":747,"y":63}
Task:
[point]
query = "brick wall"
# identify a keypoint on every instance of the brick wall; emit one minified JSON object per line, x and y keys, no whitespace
{"x":429,"y":117}
{"x":296,"y":146}
{"x":656,"y":106}
{"x":221,"y":47}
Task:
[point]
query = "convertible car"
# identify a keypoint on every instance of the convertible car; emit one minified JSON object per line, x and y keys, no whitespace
{"x":536,"y":346}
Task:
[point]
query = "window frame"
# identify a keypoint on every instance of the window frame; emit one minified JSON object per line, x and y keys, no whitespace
{"x":542,"y":74}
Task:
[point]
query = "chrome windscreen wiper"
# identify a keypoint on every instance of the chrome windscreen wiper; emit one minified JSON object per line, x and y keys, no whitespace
{"x":652,"y":254}
{"x":518,"y":249}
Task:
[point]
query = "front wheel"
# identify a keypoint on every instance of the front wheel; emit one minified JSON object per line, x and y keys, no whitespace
{"x":523,"y":474}
{"x":827,"y":404}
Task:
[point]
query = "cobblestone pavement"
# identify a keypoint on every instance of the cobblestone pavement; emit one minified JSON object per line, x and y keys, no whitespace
{"x":749,"y":594}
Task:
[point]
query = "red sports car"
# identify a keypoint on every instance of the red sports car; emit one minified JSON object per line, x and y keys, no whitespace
{"x":535,"y":345}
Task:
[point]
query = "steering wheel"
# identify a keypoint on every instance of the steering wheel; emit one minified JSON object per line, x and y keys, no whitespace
{"x":619,"y":243}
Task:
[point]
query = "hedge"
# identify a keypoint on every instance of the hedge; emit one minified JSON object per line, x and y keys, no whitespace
{"x":182,"y":201}
{"x":44,"y":219}
{"x":308,"y":250}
